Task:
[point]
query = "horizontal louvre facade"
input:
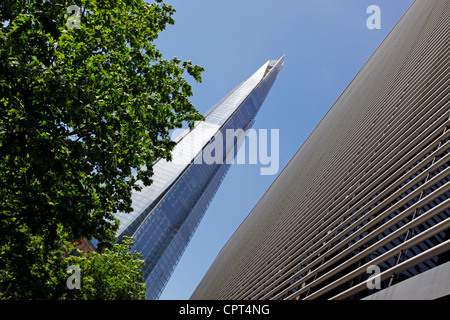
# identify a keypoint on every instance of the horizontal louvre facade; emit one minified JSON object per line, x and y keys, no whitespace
{"x":370,"y":185}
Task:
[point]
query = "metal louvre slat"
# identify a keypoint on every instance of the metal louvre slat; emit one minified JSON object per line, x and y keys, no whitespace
{"x":338,"y":213}
{"x":361,"y":187}
{"x":408,"y":244}
{"x":367,"y":227}
{"x":438,"y":132}
{"x":446,"y":86}
{"x":434,"y":251}
{"x":319,"y":243}
{"x":443,"y":206}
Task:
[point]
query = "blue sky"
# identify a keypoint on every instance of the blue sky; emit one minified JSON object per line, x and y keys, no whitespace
{"x":325,"y":42}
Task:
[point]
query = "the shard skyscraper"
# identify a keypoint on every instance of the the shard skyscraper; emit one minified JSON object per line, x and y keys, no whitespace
{"x":167,"y":213}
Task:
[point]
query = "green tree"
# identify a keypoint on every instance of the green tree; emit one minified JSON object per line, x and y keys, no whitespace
{"x":87,"y":104}
{"x":115,"y":274}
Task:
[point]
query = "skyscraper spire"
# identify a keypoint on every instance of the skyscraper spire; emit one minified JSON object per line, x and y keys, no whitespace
{"x":167,"y":212}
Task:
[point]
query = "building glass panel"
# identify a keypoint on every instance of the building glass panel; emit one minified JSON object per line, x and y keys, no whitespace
{"x":167,"y":213}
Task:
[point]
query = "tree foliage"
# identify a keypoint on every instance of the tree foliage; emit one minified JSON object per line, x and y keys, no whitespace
{"x":84,"y":112}
{"x":115,"y":274}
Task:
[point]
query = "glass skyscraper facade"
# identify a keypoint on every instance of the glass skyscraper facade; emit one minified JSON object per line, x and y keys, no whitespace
{"x":362,"y":210}
{"x":166,"y":213}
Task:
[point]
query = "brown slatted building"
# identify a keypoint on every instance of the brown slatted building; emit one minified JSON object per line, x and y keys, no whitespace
{"x":369,"y":187}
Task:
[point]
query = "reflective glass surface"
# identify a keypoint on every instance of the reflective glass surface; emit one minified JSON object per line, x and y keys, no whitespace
{"x":167,"y":213}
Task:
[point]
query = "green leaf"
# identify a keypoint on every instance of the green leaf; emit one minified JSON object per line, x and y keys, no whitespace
{"x":81,"y":110}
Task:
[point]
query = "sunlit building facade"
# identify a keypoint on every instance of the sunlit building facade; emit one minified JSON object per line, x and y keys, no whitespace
{"x":167,"y":212}
{"x":362,"y":210}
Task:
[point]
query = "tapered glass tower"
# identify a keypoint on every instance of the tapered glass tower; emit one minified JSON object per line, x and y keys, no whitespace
{"x":367,"y":194}
{"x":167,"y":213}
